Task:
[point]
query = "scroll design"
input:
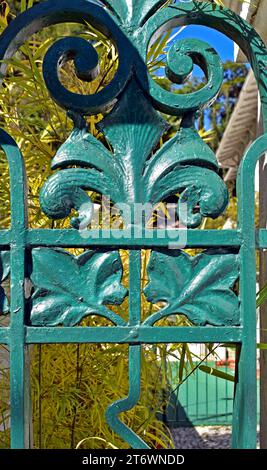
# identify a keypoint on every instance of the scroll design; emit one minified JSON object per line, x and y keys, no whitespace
{"x":131,"y":29}
{"x":181,"y":58}
{"x":129,"y":174}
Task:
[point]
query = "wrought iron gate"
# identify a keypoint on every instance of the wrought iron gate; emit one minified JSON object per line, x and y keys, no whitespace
{"x":199,"y":287}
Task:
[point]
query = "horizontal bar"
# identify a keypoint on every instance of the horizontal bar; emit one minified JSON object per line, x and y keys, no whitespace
{"x":122,"y":238}
{"x":122,"y":335}
{"x":4,"y":335}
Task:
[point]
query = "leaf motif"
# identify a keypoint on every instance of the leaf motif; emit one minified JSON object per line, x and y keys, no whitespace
{"x":186,"y":165}
{"x":197,"y":186}
{"x":82,"y":148}
{"x":131,"y":173}
{"x":66,"y":190}
{"x":133,"y":136}
{"x":133,"y":12}
{"x":199,"y":287}
{"x":69,"y":288}
{"x":4,"y":273}
{"x":186,"y":148}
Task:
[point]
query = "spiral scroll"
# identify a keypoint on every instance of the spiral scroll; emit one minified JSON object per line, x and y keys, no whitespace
{"x":181,"y":58}
{"x":54,"y":12}
{"x":87,"y":69}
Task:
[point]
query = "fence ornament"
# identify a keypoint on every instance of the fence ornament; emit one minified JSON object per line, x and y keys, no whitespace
{"x":215,"y":290}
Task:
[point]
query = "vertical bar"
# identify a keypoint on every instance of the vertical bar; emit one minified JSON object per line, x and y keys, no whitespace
{"x":187,"y":398}
{"x":177,"y":408}
{"x":263,"y":308}
{"x":197,"y":394}
{"x":126,"y":404}
{"x":178,"y":403}
{"x":135,"y":272}
{"x":207,"y":391}
{"x":245,"y":402}
{"x":263,"y":353}
{"x":19,"y":371}
{"x":227,"y":390}
{"x":40,"y":421}
{"x":135,"y":350}
{"x":216,"y":400}
{"x":19,"y":359}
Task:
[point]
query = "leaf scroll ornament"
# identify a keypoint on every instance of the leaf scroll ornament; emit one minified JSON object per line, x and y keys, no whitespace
{"x":133,"y":12}
{"x":198,"y":287}
{"x":133,"y":169}
{"x":69,"y":288}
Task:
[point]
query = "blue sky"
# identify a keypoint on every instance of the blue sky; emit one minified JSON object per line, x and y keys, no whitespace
{"x":223,"y":45}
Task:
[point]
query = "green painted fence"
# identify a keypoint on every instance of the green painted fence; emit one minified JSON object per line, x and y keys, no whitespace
{"x":133,"y":170}
{"x":202,"y":400}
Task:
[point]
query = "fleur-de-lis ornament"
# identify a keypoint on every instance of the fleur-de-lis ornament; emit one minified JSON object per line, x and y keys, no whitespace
{"x":133,"y":172}
{"x":133,"y":12}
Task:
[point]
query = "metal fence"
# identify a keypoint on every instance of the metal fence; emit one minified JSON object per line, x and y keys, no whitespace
{"x":202,"y":400}
{"x":133,"y":170}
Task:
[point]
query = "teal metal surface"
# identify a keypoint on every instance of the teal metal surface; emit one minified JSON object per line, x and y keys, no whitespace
{"x":133,"y":173}
{"x":94,"y":280}
{"x":193,"y":285}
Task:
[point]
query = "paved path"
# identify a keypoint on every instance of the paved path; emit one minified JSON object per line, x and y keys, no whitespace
{"x":210,"y":437}
{"x":215,"y":437}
